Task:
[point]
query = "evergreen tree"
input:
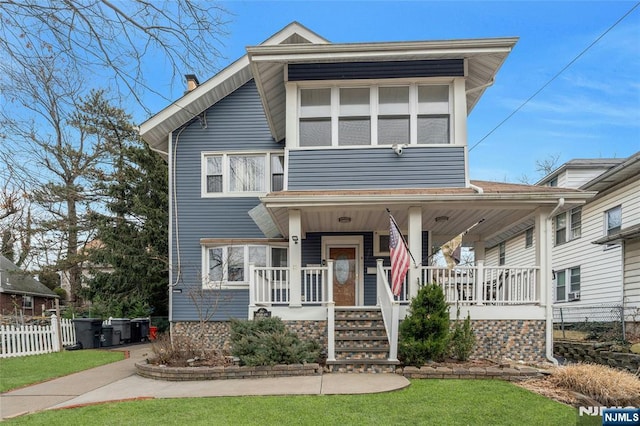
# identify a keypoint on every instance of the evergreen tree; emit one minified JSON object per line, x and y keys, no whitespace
{"x":130,"y":256}
{"x":424,"y":333}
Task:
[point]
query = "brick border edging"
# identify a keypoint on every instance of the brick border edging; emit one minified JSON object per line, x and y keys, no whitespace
{"x":514,"y":373}
{"x":159,"y":372}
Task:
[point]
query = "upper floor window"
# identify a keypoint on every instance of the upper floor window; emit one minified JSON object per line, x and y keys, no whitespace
{"x":568,"y":226}
{"x":528,"y":238}
{"x":240,"y":174}
{"x":553,"y":182}
{"x":613,"y":218}
{"x":376,"y":115}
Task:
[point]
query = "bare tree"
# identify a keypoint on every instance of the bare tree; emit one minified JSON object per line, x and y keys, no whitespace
{"x":548,"y":164}
{"x":116,"y":41}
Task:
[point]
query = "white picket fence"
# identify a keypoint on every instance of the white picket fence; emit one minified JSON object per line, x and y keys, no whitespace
{"x":36,"y":339}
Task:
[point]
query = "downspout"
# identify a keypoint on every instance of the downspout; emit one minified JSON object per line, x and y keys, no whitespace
{"x":476,"y":188}
{"x":548,"y":302}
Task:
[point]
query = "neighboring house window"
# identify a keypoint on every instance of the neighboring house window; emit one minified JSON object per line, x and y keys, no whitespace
{"x":528,"y":238}
{"x":570,"y":292}
{"x":229,"y":265}
{"x":613,"y":220}
{"x":502,"y":253}
{"x":576,"y":222}
{"x":242,"y":173}
{"x":553,"y":182}
{"x":27,"y":302}
{"x":376,"y":115}
{"x":568,"y":226}
{"x":561,"y":286}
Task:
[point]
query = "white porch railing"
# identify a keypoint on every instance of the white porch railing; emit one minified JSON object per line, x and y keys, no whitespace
{"x":272,"y":285}
{"x":480,"y":285}
{"x":36,"y":339}
{"x":390,"y":310}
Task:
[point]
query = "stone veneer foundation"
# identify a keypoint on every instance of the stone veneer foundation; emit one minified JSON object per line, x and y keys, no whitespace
{"x":517,"y":340}
{"x":218,"y":333}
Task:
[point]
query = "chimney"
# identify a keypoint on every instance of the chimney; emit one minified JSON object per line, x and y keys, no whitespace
{"x":192,"y":82}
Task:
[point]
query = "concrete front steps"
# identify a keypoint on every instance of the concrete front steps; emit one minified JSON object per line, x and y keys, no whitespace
{"x":361,"y":342}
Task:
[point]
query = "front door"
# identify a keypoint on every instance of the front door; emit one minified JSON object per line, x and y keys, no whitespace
{"x":344,"y":275}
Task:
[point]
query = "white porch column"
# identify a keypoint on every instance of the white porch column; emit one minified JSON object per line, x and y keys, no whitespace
{"x":479,"y":257}
{"x":543,"y":245}
{"x":295,"y":259}
{"x":415,"y":247}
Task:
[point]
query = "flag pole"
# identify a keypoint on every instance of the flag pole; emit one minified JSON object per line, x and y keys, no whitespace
{"x":402,"y":236}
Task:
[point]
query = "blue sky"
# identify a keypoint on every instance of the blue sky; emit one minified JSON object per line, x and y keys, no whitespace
{"x":591,"y":110}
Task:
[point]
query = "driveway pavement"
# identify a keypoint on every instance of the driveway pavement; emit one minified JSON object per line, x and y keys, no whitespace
{"x":119,"y":381}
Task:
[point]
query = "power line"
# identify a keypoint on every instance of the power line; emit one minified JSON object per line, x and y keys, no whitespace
{"x":555,"y":76}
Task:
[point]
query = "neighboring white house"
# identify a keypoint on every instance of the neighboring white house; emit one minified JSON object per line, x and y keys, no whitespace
{"x":596,"y":247}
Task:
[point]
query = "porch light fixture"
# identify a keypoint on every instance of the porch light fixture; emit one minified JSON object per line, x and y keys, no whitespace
{"x":294,"y":238}
{"x":442,"y":219}
{"x":344,"y":219}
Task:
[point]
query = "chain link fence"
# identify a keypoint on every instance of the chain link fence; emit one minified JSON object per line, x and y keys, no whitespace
{"x":600,"y":323}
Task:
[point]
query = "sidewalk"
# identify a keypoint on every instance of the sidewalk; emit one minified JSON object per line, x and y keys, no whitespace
{"x":118,"y":381}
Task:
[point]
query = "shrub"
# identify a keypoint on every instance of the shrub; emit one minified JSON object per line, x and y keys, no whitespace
{"x":608,"y":386}
{"x":424,"y":333}
{"x":267,"y":341}
{"x":463,"y":339}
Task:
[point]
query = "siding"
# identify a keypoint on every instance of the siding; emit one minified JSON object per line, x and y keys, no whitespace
{"x":600,"y":266}
{"x":236,"y":123}
{"x":577,"y":177}
{"x":418,"y":166}
{"x":632,"y":274}
{"x":372,"y":70}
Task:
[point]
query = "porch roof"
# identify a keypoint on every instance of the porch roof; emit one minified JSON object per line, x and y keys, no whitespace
{"x":501,"y":205}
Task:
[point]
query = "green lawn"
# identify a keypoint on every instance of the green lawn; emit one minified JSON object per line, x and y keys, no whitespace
{"x":21,"y":371}
{"x":425,"y":402}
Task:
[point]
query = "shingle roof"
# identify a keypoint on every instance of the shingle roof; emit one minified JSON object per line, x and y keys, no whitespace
{"x":13,"y":280}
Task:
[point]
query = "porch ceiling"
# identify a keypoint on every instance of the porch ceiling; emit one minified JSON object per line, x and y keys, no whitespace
{"x":503,"y":212}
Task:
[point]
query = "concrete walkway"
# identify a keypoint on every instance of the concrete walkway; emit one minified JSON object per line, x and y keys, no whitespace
{"x":118,"y":381}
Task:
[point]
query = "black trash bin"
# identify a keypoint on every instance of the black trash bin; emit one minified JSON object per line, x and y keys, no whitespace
{"x":106,"y":336}
{"x":139,"y":330}
{"x":124,"y":326}
{"x":88,"y":332}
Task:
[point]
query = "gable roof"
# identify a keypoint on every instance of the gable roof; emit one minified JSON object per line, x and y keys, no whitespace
{"x":15,"y":281}
{"x":581,"y":164}
{"x":155,"y":130}
{"x":297,"y":44}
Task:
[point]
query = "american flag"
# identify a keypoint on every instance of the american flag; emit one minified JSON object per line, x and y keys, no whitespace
{"x":399,"y":257}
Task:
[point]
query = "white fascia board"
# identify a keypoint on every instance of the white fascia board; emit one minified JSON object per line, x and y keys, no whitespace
{"x":181,"y":106}
{"x":453,"y":48}
{"x":332,"y":200}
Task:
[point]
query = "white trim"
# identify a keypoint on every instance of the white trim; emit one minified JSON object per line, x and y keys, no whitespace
{"x":226,"y":193}
{"x":413,"y":107}
{"x":357,"y":241}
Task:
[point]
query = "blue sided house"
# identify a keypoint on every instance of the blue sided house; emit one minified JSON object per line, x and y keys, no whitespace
{"x":284,"y":165}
